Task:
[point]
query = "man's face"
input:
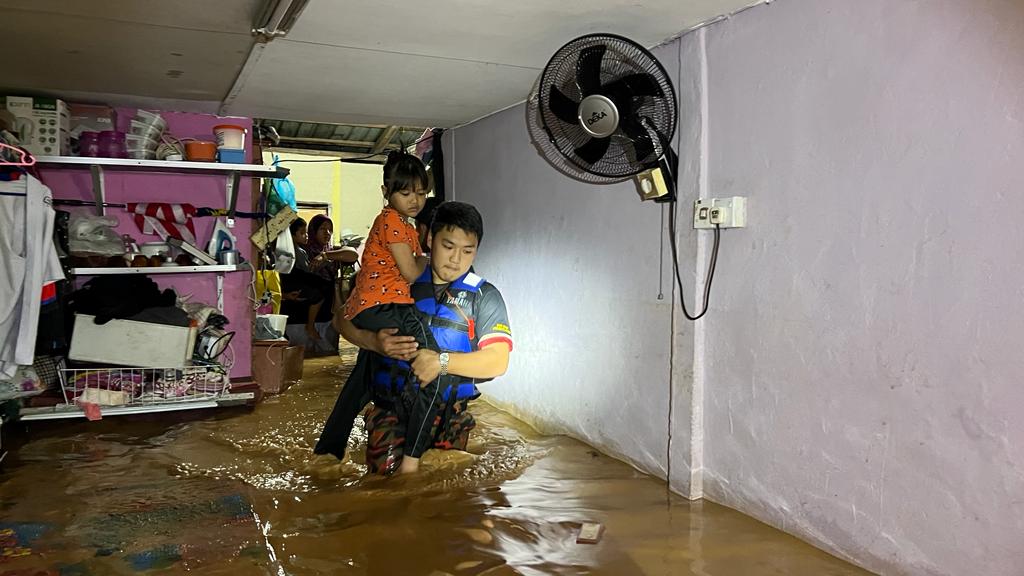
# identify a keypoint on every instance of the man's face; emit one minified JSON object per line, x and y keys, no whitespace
{"x":451,"y":254}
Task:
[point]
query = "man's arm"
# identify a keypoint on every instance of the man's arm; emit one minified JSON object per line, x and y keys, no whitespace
{"x":486,"y":363}
{"x":495,"y":344}
{"x":385,"y":342}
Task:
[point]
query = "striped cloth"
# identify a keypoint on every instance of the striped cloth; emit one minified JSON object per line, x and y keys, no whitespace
{"x":165,"y":220}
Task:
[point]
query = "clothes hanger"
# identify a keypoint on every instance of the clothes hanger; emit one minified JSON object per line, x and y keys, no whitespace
{"x":24,"y":158}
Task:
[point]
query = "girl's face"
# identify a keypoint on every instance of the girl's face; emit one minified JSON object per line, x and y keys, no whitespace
{"x":301,"y":237}
{"x":407,"y":202}
{"x":324,"y":233}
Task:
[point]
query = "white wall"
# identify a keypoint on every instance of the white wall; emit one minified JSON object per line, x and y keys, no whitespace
{"x":578,"y":265}
{"x":361,"y":198}
{"x":352,"y":190}
{"x":860,"y":365}
{"x":863,"y":357}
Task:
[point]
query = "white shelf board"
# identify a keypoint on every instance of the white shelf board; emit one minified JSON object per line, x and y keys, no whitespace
{"x":218,"y":268}
{"x":71,"y":411}
{"x":180,"y":166}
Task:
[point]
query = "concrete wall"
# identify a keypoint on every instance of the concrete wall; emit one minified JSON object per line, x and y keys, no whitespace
{"x":361,"y":198}
{"x":856,"y":378}
{"x":578,"y":265}
{"x":863,"y":357}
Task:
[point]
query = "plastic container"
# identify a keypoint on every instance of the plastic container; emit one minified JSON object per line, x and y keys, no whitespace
{"x":112,"y":144}
{"x":147,"y":117}
{"x":151,"y":131}
{"x":229,"y":156}
{"x":89,"y":144}
{"x":155,"y":249}
{"x":230,"y":136}
{"x":141,"y":142}
{"x":141,"y":154}
{"x":200,"y":151}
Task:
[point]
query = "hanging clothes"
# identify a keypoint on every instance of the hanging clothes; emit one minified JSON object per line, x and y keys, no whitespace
{"x":28,"y":261}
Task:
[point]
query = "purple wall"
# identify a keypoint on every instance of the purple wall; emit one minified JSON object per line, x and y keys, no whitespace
{"x":207,"y":190}
{"x":863,"y":357}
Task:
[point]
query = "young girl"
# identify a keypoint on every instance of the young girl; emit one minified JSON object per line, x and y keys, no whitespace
{"x":392,"y":260}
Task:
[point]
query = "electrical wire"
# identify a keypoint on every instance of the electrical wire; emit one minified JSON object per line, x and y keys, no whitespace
{"x":675,"y":265}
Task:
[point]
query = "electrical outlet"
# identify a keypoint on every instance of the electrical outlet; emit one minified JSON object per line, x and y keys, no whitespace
{"x":723,"y":212}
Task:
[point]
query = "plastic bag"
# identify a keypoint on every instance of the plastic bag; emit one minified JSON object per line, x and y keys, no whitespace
{"x":269,"y":281}
{"x":280,"y":193}
{"x":94,"y":235}
{"x":284,"y":253}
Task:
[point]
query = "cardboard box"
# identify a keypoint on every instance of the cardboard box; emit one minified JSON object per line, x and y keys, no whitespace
{"x":91,"y":118}
{"x":276,"y":365}
{"x":43,"y":124}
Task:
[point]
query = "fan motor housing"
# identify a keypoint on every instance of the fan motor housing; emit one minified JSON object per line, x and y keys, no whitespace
{"x":598,"y":116}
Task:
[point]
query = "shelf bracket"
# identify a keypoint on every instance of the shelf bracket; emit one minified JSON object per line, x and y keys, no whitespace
{"x":232,"y":197}
{"x":99,"y":193}
{"x":220,"y":292}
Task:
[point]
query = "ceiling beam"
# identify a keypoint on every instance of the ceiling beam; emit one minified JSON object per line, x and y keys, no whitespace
{"x":385,"y":139}
{"x":329,"y":141}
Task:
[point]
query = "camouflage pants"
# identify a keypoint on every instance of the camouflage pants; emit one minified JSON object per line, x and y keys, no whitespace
{"x":385,"y":435}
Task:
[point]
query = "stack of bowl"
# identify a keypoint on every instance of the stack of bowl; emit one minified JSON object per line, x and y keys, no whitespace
{"x":144,"y":134}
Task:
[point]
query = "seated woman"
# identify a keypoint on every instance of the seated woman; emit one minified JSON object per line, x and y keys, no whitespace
{"x":313,"y":276}
{"x":302,"y":292}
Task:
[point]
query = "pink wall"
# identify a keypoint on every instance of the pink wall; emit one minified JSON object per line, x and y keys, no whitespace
{"x":198,"y":190}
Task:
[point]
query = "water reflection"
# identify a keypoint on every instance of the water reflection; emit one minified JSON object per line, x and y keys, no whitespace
{"x":241,"y":493}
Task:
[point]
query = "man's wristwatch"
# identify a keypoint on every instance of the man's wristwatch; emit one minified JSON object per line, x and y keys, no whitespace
{"x":443,"y":359}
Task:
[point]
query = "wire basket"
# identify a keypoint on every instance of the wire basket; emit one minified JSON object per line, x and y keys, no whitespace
{"x":143,"y":386}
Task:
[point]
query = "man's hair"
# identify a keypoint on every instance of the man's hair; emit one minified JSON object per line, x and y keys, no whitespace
{"x":296,"y":225}
{"x":458,"y":215}
{"x":403,"y":171}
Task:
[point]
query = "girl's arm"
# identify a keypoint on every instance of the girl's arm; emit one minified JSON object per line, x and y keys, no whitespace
{"x":410,"y":265}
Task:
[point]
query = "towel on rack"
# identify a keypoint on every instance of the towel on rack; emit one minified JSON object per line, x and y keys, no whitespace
{"x":165,"y":220}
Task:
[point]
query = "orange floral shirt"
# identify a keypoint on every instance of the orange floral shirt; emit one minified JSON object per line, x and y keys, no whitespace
{"x":379,"y":281}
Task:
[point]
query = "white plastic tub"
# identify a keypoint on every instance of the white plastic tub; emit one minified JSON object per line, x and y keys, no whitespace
{"x":131,"y":343}
{"x":230,"y":136}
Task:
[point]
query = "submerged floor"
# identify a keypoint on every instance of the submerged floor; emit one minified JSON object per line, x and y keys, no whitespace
{"x":241,"y":493}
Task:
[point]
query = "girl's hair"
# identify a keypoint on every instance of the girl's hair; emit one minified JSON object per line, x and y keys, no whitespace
{"x":403,"y":171}
{"x":296,"y":225}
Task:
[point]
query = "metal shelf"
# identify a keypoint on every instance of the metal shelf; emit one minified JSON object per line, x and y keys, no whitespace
{"x":218,"y":268}
{"x":96,"y":167}
{"x":179,"y":166}
{"x":72,"y":411}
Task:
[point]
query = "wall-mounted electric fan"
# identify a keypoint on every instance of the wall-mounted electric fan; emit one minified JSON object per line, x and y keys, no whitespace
{"x":606,"y":111}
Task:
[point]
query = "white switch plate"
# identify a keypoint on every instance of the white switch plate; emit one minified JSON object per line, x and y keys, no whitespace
{"x":725,"y":212}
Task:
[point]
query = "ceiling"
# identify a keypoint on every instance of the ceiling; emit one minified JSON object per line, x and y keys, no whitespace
{"x":388,"y":62}
{"x":357,"y":140}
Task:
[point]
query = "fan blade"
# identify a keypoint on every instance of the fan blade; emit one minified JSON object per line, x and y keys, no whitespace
{"x":588,"y":69}
{"x":623,"y":90}
{"x":563,"y":107}
{"x":643,"y":146}
{"x":593,"y":150}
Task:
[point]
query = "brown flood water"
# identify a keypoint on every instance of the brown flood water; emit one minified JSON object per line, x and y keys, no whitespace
{"x":241,"y":493}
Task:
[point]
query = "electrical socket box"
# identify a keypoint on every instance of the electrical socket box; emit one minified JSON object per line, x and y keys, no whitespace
{"x":721,"y":212}
{"x":650,"y":185}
